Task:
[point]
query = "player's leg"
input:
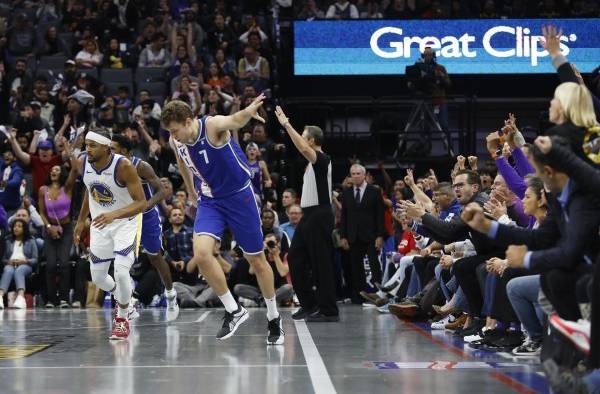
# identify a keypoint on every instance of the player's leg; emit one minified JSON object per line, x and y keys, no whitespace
{"x":152,"y":243}
{"x":101,"y":255}
{"x":243,"y":219}
{"x":208,"y":228}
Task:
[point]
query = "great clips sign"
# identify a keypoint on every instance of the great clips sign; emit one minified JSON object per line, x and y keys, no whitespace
{"x":491,"y":46}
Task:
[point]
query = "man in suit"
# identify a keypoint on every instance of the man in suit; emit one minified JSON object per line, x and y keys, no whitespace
{"x":362,"y":229}
{"x":562,"y":248}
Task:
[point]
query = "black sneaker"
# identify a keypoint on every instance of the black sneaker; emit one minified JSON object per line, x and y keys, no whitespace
{"x":303,"y":313}
{"x":318,"y":317}
{"x":530,"y":348}
{"x":276,"y":334}
{"x":231,"y":322}
{"x":473,"y":329}
{"x":505,"y":343}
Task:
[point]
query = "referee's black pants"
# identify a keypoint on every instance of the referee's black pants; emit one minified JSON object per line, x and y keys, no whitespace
{"x":310,"y":259}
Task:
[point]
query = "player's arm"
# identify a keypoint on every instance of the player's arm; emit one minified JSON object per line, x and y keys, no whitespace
{"x":217,"y":125}
{"x":126,"y":175}
{"x":188,"y":180}
{"x":83,"y":214}
{"x":147,"y":173}
{"x":301,"y":144}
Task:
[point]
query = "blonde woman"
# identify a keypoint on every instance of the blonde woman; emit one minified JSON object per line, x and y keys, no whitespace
{"x":572,"y":111}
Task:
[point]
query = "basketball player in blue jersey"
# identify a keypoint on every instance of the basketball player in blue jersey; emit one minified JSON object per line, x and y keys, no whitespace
{"x":210,"y":158}
{"x":115,"y":199}
{"x":151,"y":238}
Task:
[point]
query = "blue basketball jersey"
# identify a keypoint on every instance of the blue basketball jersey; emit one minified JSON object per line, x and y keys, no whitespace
{"x":256,"y":177}
{"x":220,"y":171}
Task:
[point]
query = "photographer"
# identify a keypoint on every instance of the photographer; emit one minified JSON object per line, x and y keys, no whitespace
{"x":248,"y":288}
{"x":433,"y":81}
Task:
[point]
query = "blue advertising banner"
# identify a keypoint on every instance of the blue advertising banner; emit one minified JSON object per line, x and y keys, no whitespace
{"x":470,"y":46}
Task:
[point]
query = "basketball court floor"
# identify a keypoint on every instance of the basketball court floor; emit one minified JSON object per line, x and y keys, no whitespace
{"x":67,"y":351}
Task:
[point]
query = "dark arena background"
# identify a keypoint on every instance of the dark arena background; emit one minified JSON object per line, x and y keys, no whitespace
{"x":425,"y":174}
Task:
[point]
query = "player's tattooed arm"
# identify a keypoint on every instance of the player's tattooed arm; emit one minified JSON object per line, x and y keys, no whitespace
{"x":147,"y":173}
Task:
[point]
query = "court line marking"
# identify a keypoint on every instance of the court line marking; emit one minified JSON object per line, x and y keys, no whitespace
{"x":202,"y":317}
{"x":506,"y":380}
{"x":160,"y":366}
{"x":319,"y":377}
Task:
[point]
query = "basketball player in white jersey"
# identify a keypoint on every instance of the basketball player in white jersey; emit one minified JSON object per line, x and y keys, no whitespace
{"x":115,"y":199}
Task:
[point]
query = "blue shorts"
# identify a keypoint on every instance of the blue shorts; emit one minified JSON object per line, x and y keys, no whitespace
{"x":239,"y":212}
{"x":151,"y":232}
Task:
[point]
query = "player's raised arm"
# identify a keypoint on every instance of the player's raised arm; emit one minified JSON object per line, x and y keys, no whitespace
{"x":220,"y":124}
{"x":126,"y":175}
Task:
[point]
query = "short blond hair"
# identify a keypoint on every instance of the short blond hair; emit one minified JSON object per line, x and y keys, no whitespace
{"x":577,"y":105}
{"x":176,"y":111}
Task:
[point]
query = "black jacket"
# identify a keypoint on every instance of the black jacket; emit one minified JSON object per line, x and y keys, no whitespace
{"x":558,"y":242}
{"x":457,"y":230}
{"x":363,"y":222}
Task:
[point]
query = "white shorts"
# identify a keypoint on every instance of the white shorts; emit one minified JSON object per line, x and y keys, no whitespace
{"x":121,"y":237}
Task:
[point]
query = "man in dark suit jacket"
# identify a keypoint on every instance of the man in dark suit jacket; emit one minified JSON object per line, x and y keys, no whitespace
{"x":362,"y":228}
{"x":562,"y":248}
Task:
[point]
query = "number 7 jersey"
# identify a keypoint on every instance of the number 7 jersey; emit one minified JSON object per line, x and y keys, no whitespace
{"x":218,"y":171}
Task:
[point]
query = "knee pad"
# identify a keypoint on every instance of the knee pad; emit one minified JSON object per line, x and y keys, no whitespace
{"x":100,"y":276}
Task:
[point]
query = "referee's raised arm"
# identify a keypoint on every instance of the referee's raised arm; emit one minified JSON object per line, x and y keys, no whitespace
{"x":301,"y":144}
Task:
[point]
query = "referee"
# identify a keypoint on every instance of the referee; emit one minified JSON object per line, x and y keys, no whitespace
{"x":311,"y":254}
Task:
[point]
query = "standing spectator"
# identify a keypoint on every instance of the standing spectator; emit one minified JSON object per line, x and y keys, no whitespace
{"x":221,"y":36}
{"x":254,"y":69}
{"x":289,"y":228}
{"x":191,"y":91}
{"x":311,"y":254}
{"x":268,"y":223}
{"x":372,"y":11}
{"x":10,"y":183}
{"x":310,"y":11}
{"x":226,"y":65}
{"x":214,"y":79}
{"x":19,"y":259}
{"x":49,"y":11}
{"x":155,"y":54}
{"x":342,"y":9}
{"x":40,"y":163}
{"x":399,"y":9}
{"x":21,"y":37}
{"x":54,"y":201}
{"x":89,"y":56}
{"x":155,"y":111}
{"x":20,"y":78}
{"x":259,"y":173}
{"x":362,"y":230}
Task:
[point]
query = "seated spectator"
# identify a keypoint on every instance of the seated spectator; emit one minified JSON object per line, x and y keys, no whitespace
{"x":155,"y":54}
{"x":253,"y":28}
{"x":89,"y":56}
{"x":21,"y":36}
{"x":155,"y":111}
{"x":19,"y":260}
{"x":310,"y":11}
{"x":151,"y":124}
{"x":46,"y":107}
{"x":226,"y":65}
{"x":30,"y":120}
{"x":268,"y":223}
{"x":489,"y":10}
{"x":288,"y":199}
{"x":52,"y":44}
{"x":289,"y":228}
{"x":106,"y":114}
{"x":342,"y":9}
{"x":372,"y":11}
{"x":214,"y":104}
{"x":30,"y":215}
{"x":399,"y":9}
{"x":54,"y":200}
{"x":123,"y":102}
{"x":114,"y":57}
{"x":260,"y":46}
{"x":254,"y":69}
{"x":268,"y":149}
{"x":191,"y":90}
{"x":247,"y":285}
{"x":185,"y":70}
{"x":10,"y":183}
{"x":214,"y":79}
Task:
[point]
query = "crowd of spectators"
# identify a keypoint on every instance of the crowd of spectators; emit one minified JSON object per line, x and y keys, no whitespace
{"x":444,"y":9}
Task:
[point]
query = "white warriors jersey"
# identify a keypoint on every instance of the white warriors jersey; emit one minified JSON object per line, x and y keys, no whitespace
{"x":106,"y":194}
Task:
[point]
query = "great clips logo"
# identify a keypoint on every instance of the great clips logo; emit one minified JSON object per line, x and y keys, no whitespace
{"x":525,"y":44}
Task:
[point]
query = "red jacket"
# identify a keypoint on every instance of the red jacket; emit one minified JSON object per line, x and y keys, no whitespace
{"x":407,"y":243}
